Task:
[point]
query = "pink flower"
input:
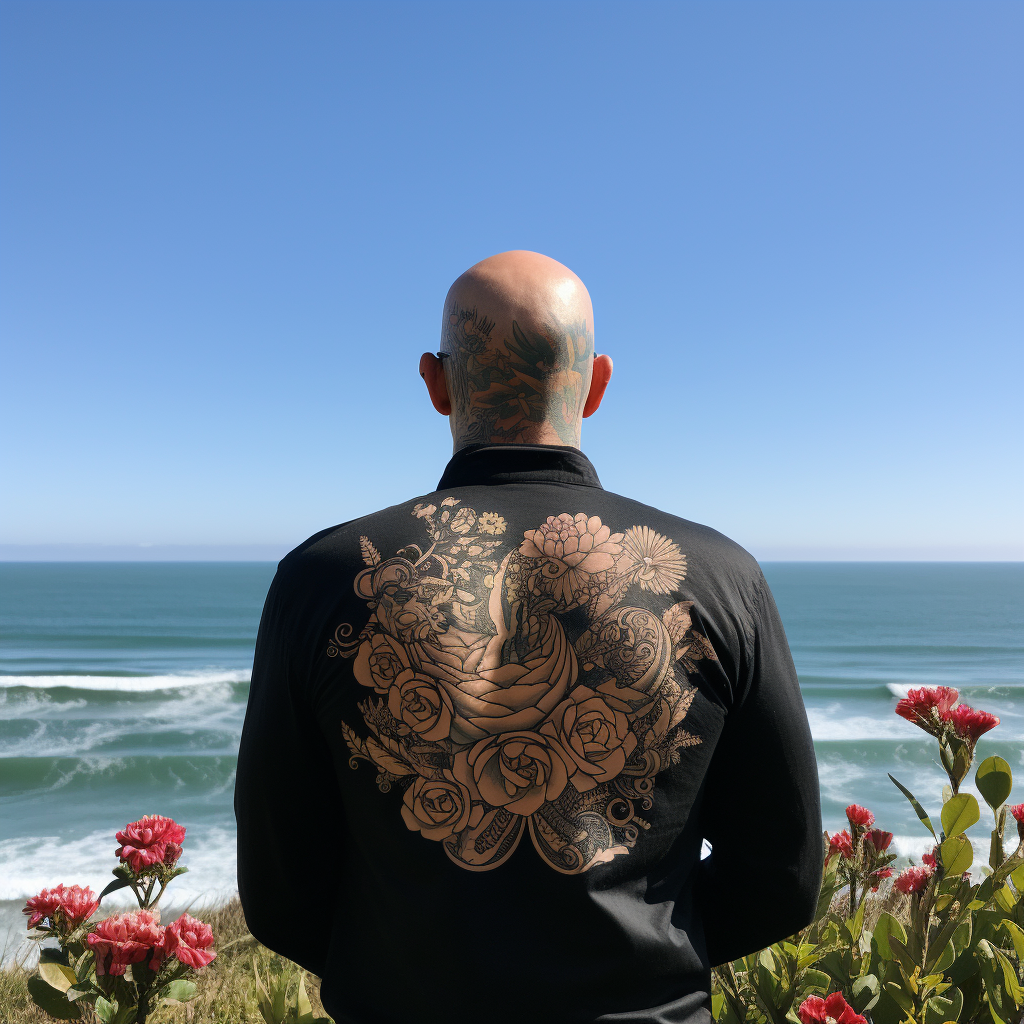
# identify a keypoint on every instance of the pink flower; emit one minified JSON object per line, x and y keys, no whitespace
{"x":815,"y":1010}
{"x":859,"y":817}
{"x":928,"y":707}
{"x":880,"y":874}
{"x":879,"y":840}
{"x":125,"y":939}
{"x":189,"y":940}
{"x":841,"y":843}
{"x":970,"y":724}
{"x":144,"y":842}
{"x":42,"y":906}
{"x":74,"y":903}
{"x":913,"y":880}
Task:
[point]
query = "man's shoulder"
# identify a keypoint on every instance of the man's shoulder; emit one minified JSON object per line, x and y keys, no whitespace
{"x":703,"y":545}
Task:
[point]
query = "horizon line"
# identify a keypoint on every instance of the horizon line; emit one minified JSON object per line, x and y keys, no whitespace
{"x":96,"y":552}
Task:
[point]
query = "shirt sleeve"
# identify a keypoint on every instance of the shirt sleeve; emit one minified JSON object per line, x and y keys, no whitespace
{"x":287,"y":804}
{"x":761,"y":809}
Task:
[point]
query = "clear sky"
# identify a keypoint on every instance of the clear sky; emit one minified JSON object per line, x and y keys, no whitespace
{"x":228,"y":228}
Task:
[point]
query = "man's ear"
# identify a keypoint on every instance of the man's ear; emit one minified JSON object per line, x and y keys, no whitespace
{"x":432,"y":372}
{"x":599,"y":377}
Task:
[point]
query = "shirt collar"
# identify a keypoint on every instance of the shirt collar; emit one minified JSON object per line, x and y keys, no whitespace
{"x":518,"y":463}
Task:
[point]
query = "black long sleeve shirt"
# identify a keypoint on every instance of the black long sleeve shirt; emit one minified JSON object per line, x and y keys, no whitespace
{"x":487,"y":732}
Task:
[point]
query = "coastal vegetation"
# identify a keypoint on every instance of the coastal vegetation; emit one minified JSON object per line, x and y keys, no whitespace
{"x":926,"y":945}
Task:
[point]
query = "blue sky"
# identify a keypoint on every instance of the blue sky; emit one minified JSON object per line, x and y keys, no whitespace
{"x":229,"y":228}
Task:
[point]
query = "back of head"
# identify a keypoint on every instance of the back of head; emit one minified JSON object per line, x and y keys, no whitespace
{"x":518,"y":347}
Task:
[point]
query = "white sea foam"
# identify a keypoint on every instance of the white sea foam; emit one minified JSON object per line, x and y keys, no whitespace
{"x":832,"y":722}
{"x":128,"y":684}
{"x":975,"y":689}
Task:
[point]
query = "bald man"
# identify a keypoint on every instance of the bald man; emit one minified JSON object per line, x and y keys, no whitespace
{"x":490,"y":728}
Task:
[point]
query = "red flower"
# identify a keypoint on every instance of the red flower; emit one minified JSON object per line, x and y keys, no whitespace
{"x":841,"y":843}
{"x":125,"y":939}
{"x":145,"y":842}
{"x":189,"y":940}
{"x":815,"y":1010}
{"x":75,"y":904}
{"x":913,"y":880}
{"x":879,"y":840}
{"x":928,"y":707}
{"x":880,"y":874}
{"x":970,"y":724}
{"x":859,"y":817}
{"x":929,"y":859}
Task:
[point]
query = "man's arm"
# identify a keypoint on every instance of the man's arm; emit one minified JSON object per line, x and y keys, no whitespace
{"x":762,"y":807}
{"x":287,"y":805}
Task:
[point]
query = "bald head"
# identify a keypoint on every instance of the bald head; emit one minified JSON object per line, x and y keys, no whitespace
{"x":518,"y":348}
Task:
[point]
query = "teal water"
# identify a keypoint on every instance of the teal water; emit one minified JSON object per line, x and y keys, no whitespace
{"x":123,"y":688}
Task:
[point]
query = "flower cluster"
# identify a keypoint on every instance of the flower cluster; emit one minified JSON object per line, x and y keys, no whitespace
{"x":833,"y":1009}
{"x":124,"y":939}
{"x":863,"y":849}
{"x":102,"y":953}
{"x":65,"y":907}
{"x":914,"y":880}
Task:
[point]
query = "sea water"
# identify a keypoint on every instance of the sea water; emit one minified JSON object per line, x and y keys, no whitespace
{"x":123,"y":689}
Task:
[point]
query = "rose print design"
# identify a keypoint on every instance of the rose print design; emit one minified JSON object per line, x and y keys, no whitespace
{"x":493,"y":722}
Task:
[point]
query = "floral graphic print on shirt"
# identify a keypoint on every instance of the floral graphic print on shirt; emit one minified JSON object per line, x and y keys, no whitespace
{"x":493,"y":721}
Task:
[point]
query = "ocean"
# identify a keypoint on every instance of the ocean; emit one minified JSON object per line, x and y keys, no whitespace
{"x":123,"y":689}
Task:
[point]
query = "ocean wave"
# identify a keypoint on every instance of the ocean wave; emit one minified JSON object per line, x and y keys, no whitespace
{"x":1007,"y":689}
{"x":127,"y":684}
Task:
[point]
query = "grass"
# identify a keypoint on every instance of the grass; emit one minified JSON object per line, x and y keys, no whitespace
{"x":226,"y":990}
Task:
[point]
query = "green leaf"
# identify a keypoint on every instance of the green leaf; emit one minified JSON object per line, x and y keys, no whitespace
{"x":52,"y":1001}
{"x":303,"y":1008}
{"x":1013,"y":989}
{"x":957,"y":855}
{"x":921,"y":813}
{"x":944,"y":960}
{"x":887,"y":926}
{"x":962,"y":935}
{"x":816,"y":980}
{"x":856,"y":926}
{"x":83,"y":988}
{"x":1017,"y":877}
{"x":959,"y":813}
{"x":263,"y":1000}
{"x":104,"y":1010}
{"x":865,"y":993}
{"x":904,"y":999}
{"x":180,"y":991}
{"x":1016,"y":934}
{"x":994,"y":781}
{"x":903,"y":955}
{"x":828,"y":889}
{"x":940,"y":1009}
{"x":57,"y":976}
{"x":1005,"y":898}
{"x":118,"y":883}
{"x":717,"y":1005}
